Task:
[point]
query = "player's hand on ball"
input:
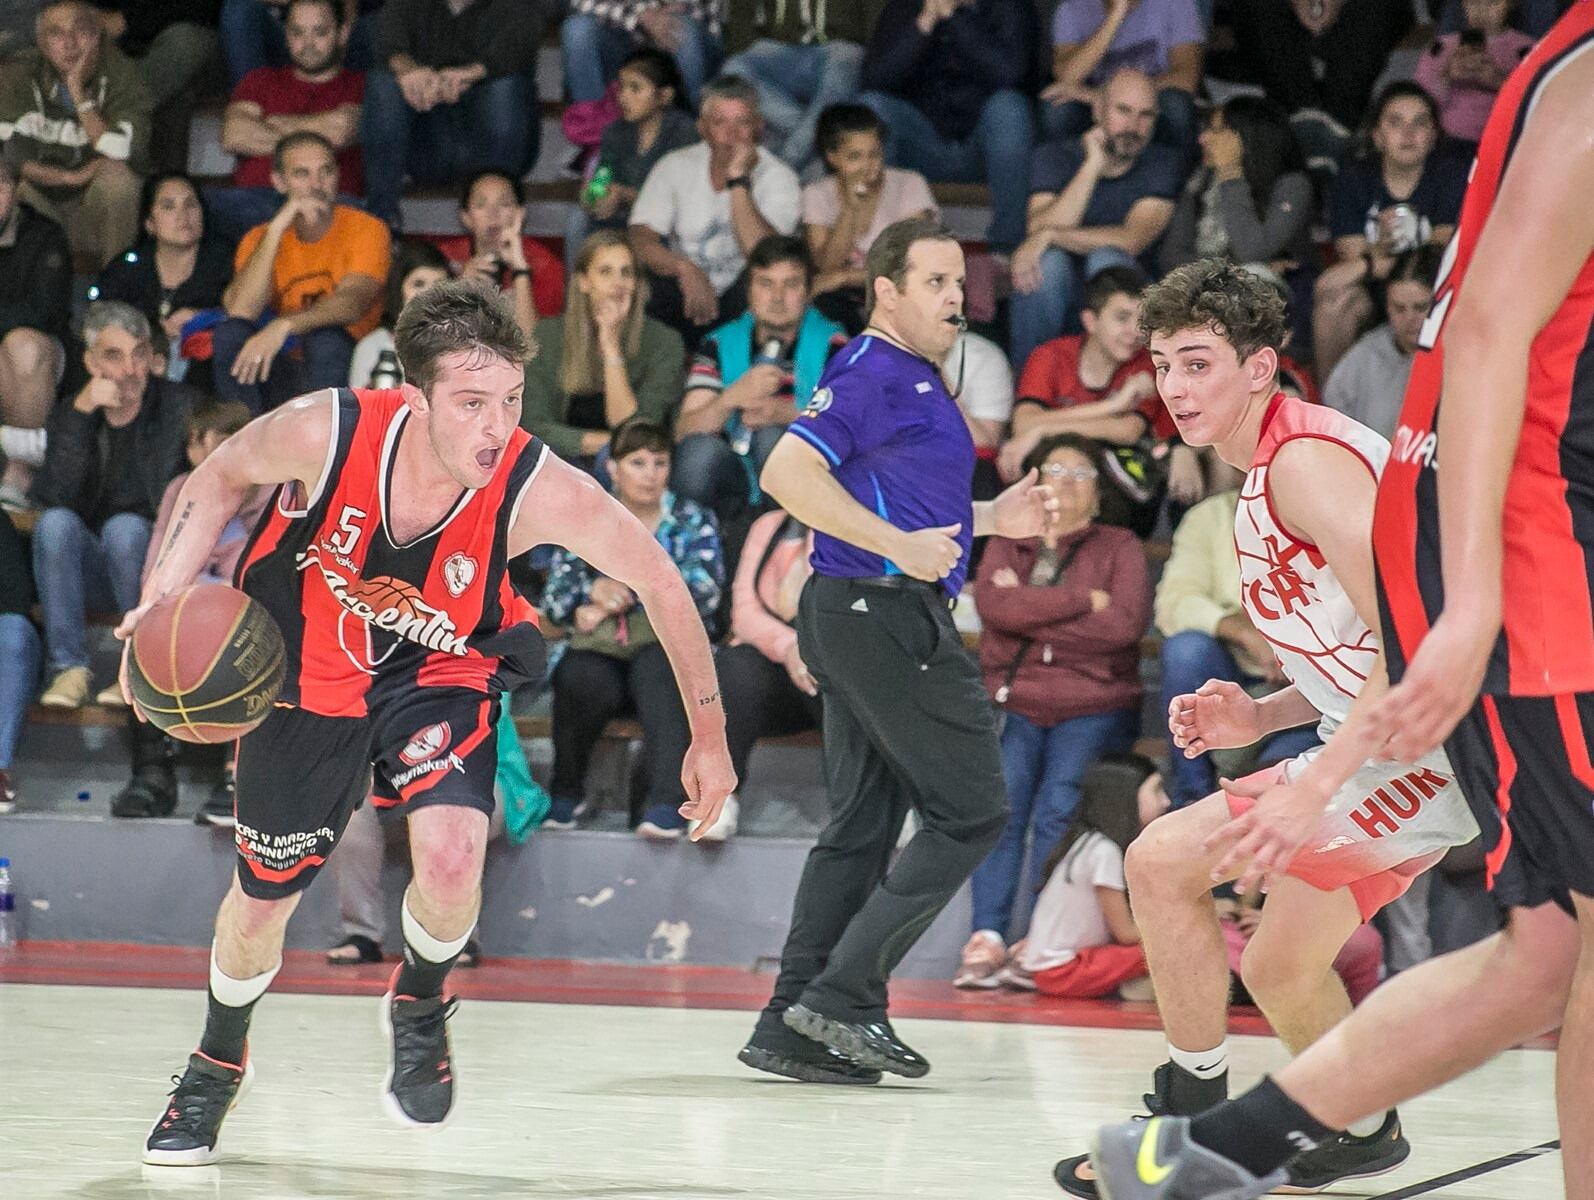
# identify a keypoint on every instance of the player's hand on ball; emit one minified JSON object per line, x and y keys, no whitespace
{"x":929,"y":554}
{"x":124,"y":631}
{"x":1261,"y":843}
{"x":1218,"y":715}
{"x":708,"y":777}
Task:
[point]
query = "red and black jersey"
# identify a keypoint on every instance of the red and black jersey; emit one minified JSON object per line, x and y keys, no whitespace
{"x":1546,"y":644}
{"x":360,"y":613}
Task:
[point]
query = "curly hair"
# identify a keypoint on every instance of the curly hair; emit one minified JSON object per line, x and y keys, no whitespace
{"x":1212,"y":293}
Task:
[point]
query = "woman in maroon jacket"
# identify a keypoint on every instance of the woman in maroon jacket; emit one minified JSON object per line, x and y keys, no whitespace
{"x":1063,"y":616}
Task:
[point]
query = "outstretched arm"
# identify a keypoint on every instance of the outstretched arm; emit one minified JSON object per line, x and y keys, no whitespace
{"x":568,"y":508}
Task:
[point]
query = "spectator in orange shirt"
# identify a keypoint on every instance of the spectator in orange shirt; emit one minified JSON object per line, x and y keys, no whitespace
{"x":312,"y":274}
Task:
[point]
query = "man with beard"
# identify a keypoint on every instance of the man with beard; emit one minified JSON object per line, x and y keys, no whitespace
{"x":1101,"y":200}
{"x":314,"y":92}
{"x":318,"y":266}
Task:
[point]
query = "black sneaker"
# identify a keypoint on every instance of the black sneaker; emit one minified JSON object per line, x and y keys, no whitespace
{"x":220,"y":809}
{"x":1347,"y":1157}
{"x":185,"y":1135}
{"x":781,"y":1052}
{"x":1175,"y":1093}
{"x":872,"y":1044}
{"x":152,"y":792}
{"x":418,"y":1090}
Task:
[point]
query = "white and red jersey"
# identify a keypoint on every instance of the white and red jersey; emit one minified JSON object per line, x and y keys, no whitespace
{"x":1288,"y":589}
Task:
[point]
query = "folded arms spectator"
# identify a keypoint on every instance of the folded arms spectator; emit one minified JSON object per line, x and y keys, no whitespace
{"x":596,"y":36}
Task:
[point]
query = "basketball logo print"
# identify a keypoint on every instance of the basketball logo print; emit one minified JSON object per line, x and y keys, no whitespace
{"x":384,"y":595}
{"x":425,"y":745}
{"x":459,"y":570}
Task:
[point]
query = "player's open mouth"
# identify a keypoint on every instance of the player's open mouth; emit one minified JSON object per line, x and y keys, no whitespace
{"x":1183,"y":417}
{"x":488,"y":459}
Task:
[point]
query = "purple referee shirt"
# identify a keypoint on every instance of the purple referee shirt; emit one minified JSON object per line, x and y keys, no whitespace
{"x":896,"y":441}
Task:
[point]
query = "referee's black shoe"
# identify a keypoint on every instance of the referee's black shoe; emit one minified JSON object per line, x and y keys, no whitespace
{"x":873,"y":1043}
{"x":778,"y":1050}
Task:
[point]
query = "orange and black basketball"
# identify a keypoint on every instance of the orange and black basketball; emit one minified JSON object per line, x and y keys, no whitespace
{"x":207,"y":663}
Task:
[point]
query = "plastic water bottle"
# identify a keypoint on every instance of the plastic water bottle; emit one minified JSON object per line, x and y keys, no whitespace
{"x":742,"y":437}
{"x":387,"y":373}
{"x":8,"y":907}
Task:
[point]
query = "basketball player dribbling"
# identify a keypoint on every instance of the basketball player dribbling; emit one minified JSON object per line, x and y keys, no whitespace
{"x":383,"y":561}
{"x":1301,"y":531}
{"x":1484,"y":538}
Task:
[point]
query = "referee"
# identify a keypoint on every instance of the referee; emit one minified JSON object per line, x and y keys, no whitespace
{"x":881,"y":466}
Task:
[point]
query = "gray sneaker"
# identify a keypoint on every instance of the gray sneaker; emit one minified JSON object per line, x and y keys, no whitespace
{"x":1156,"y":1160}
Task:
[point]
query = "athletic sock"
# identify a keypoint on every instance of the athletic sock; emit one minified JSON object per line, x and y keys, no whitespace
{"x":426,"y":960}
{"x":1261,"y":1131}
{"x":1203,"y":1064}
{"x":232,"y":1002}
{"x":1367,"y":1126}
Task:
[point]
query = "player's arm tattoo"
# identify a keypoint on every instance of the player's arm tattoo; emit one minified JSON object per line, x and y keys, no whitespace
{"x":705,"y":701}
{"x":176,"y":532}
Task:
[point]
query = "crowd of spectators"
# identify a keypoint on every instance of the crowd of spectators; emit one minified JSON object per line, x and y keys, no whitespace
{"x":738,"y":159}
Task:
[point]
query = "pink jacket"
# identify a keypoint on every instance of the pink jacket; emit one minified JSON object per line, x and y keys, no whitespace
{"x":1463,"y":111}
{"x":756,"y":592}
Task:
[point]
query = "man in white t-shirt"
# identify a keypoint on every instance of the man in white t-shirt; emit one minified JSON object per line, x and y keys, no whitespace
{"x":981,"y":381}
{"x":703,"y":208}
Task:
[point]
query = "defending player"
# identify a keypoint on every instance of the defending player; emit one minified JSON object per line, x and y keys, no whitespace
{"x":1484,"y":575}
{"x":383,"y":560}
{"x":1306,"y":574}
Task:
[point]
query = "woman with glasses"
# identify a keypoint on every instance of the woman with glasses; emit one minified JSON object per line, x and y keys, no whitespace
{"x":1063,"y":614}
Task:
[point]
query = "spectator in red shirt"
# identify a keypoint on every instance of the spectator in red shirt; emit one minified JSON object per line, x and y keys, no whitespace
{"x":314,"y":92}
{"x":1099,"y":384}
{"x":495,"y":248}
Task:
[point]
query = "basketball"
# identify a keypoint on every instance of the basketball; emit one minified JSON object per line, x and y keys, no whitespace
{"x":207,"y":663}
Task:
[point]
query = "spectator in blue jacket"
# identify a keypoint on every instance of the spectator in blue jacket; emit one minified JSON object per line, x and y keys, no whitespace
{"x":946,"y":76}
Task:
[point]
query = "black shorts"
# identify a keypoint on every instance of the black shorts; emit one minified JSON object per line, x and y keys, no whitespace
{"x":1523,"y":763}
{"x":301,"y":775}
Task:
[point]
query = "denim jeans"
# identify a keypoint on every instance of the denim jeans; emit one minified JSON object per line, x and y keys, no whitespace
{"x":1052,"y":309}
{"x":708,"y":471}
{"x":592,"y":50}
{"x":251,"y":36}
{"x":795,"y":84}
{"x":22,"y":653}
{"x":997,"y":153}
{"x":1043,"y":769}
{"x":321,"y":360}
{"x":494,"y":124}
{"x":1176,"y":120}
{"x":1189,"y":659}
{"x":79,"y":571}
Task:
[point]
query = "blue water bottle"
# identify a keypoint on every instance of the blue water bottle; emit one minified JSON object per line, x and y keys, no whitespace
{"x":8,"y":907}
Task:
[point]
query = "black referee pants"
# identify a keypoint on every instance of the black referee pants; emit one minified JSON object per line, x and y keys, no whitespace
{"x":907,"y":723}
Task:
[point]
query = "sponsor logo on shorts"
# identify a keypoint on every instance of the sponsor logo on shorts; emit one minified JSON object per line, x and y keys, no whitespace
{"x":1397,"y":801}
{"x":459,"y":570}
{"x":404,"y":778}
{"x":425,"y":744}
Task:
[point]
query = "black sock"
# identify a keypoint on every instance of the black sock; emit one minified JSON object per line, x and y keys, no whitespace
{"x":419,"y":978}
{"x":1261,"y":1131}
{"x":226,"y":1030}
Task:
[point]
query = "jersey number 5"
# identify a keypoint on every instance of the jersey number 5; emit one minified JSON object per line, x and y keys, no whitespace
{"x":348,"y":534}
{"x":1443,"y":293}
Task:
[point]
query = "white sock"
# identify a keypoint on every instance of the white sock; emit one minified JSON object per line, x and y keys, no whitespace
{"x":237,"y":993}
{"x":25,"y":446}
{"x":1367,"y":1126}
{"x":1203,"y":1064}
{"x":423,"y":943}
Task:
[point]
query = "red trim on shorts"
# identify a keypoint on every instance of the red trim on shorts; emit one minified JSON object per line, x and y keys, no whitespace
{"x":484,"y":726}
{"x":1507,"y":773}
{"x":1576,"y":740}
{"x":271,"y":875}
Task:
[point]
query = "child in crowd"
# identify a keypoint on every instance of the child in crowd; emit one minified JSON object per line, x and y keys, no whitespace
{"x":416,"y":267}
{"x":1463,"y":71}
{"x":653,"y":121}
{"x":1082,"y":938}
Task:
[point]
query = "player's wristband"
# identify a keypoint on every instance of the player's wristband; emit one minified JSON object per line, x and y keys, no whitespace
{"x":741,"y":181}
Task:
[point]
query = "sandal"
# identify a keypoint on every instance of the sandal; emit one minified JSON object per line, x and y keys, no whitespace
{"x":369,"y":952}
